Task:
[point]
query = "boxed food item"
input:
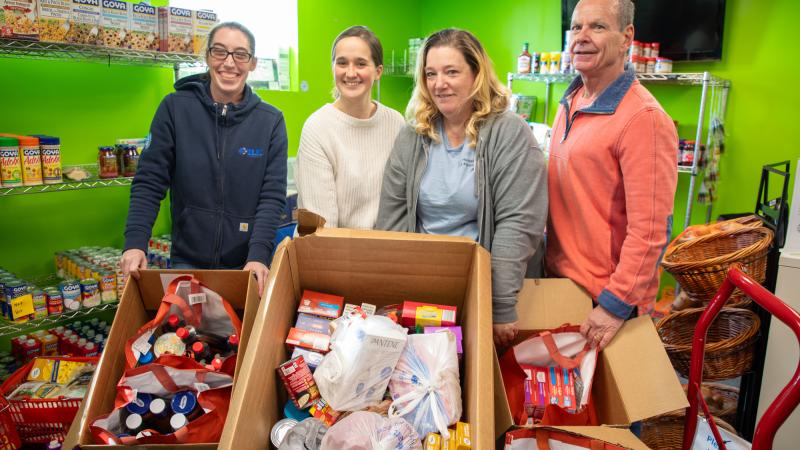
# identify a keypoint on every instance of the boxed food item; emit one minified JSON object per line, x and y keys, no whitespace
{"x":312,"y":358}
{"x":144,"y":27}
{"x":416,"y":314}
{"x":627,"y":370}
{"x":175,"y":30}
{"x":313,"y":323}
{"x":18,"y":19}
{"x":308,"y":340}
{"x":319,"y":304}
{"x":116,"y":24}
{"x":138,"y":305}
{"x":299,"y":382}
{"x":54,"y":20}
{"x":381,"y":268}
{"x":85,"y":22}
{"x":202,"y":24}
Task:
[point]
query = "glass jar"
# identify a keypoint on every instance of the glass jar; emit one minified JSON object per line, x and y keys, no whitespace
{"x":130,"y":160}
{"x":107,"y":162}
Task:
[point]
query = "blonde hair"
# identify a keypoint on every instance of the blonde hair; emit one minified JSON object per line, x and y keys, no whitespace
{"x":489,"y":96}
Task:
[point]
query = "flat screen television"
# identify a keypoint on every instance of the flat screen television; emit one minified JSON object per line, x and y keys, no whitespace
{"x":688,"y":30}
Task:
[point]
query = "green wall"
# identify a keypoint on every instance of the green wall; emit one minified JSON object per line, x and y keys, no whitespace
{"x":93,"y":104}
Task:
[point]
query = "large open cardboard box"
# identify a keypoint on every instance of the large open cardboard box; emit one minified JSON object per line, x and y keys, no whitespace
{"x":140,"y":301}
{"x":634,"y":379}
{"x":620,"y":437}
{"x":381,"y":268}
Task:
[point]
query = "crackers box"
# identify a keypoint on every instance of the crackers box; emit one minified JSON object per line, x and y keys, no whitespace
{"x":18,"y":19}
{"x":116,"y":24}
{"x":54,"y":20}
{"x":85,"y":21}
{"x":144,"y":27}
{"x":175,"y":30}
{"x":317,"y":303}
{"x":202,"y":23}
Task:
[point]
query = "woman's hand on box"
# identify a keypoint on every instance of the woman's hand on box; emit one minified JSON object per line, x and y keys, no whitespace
{"x":504,"y":333}
{"x":133,"y":260}
{"x":600,"y":327}
{"x":260,"y":271}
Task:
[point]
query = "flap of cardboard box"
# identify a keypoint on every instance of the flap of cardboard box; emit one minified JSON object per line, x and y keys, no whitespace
{"x":618,"y":436}
{"x":547,"y":303}
{"x":308,"y":222}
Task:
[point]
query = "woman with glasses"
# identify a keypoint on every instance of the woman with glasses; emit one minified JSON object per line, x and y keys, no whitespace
{"x":344,"y":145}
{"x":221,"y":152}
{"x":467,"y":166}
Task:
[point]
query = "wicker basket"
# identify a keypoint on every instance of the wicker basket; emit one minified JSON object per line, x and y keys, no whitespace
{"x":729,"y":342}
{"x":701,"y":265}
{"x":722,"y":400}
{"x":665,"y":432}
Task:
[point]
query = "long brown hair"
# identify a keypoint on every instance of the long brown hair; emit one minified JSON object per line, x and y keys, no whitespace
{"x":489,"y":96}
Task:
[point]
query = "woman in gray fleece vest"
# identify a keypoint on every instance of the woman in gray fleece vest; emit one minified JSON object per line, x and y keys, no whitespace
{"x":466,"y":166}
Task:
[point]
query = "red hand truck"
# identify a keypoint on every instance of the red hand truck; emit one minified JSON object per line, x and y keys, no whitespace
{"x":788,"y":399}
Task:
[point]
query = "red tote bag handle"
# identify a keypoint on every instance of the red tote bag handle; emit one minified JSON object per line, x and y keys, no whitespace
{"x":561,"y":360}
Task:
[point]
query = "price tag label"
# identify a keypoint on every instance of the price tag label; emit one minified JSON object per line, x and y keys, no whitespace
{"x":201,"y":387}
{"x":21,"y":306}
{"x":195,"y":299}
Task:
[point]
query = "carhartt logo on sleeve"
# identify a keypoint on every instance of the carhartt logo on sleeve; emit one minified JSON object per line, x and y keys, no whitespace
{"x":251,"y":152}
{"x":244,"y":226}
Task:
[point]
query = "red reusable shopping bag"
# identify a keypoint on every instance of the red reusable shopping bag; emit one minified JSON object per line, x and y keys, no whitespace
{"x":553,"y":439}
{"x":171,"y":374}
{"x":564,"y":347}
{"x":199,"y":307}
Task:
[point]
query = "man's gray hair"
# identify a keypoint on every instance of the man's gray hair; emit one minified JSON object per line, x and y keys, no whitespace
{"x":625,"y":10}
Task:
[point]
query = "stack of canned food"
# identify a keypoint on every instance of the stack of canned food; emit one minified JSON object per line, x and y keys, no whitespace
{"x":88,"y":264}
{"x":158,"y":252}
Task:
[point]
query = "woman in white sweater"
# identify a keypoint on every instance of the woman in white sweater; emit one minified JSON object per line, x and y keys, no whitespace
{"x":345,"y":144}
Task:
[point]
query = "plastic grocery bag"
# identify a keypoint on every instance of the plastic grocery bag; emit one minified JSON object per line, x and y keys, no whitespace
{"x":704,"y":438}
{"x":425,"y":384}
{"x":364,"y":352}
{"x":370,"y":431}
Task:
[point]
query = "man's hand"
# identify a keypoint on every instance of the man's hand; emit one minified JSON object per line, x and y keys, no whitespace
{"x":132,"y":261}
{"x":600,"y":327}
{"x":504,"y":333}
{"x":261,"y":272}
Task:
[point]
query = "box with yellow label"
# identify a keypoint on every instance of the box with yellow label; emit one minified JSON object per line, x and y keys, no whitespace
{"x":433,"y":442}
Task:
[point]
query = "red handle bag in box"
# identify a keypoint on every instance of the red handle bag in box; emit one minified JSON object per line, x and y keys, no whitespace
{"x":564,"y":347}
{"x":169,"y":375}
{"x":198,"y":306}
{"x":552,"y":439}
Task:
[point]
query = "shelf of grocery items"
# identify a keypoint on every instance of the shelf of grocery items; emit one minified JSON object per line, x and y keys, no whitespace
{"x":18,"y":48}
{"x":397,"y":71}
{"x":11,"y":328}
{"x":684,"y":169}
{"x":66,"y":186}
{"x":692,"y":79}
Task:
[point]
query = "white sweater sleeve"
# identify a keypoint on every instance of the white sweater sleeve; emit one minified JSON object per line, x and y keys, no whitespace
{"x":316,"y":185}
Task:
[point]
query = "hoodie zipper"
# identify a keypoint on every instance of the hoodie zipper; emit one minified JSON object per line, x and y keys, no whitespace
{"x":221,"y":160}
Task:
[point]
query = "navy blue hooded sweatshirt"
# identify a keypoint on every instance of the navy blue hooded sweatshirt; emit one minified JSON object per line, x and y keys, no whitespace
{"x":225,"y":167}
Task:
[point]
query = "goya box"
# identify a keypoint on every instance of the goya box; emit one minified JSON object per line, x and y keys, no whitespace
{"x":416,"y":314}
{"x":18,"y":19}
{"x":116,"y":24}
{"x":85,"y":26}
{"x":308,"y":339}
{"x":202,"y":23}
{"x":144,"y":27}
{"x":54,"y":20}
{"x":317,"y":303}
{"x":299,"y":382}
{"x":175,"y":30}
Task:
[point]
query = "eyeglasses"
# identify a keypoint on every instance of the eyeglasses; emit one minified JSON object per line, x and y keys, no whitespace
{"x":222,"y":54}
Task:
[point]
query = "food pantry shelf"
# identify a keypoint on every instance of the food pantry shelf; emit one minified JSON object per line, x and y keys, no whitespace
{"x":68,"y":186}
{"x":17,"y":48}
{"x":695,"y":79}
{"x":10,"y":328}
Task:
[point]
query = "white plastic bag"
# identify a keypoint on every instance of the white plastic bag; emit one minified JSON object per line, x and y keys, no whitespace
{"x":364,"y":352}
{"x":425,"y":384}
{"x":370,"y":431}
{"x":704,"y":438}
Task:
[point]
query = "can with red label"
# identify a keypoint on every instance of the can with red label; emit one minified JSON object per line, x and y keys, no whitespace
{"x":299,"y":382}
{"x":55,"y":301}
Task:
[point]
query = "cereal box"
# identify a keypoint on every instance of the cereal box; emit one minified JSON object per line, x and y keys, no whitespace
{"x":144,"y":27}
{"x":202,"y":24}
{"x":116,"y":24}
{"x":317,"y":303}
{"x":18,"y":19}
{"x":54,"y":20}
{"x":85,"y":22}
{"x":175,"y":30}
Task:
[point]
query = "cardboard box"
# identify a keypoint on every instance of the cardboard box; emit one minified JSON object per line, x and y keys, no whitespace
{"x":380,"y":268}
{"x":620,"y":437}
{"x":18,"y":19}
{"x":175,"y":30}
{"x":54,"y":18}
{"x":85,"y":22}
{"x":144,"y":27}
{"x":202,"y":23}
{"x":634,"y":379}
{"x":140,"y":301}
{"x":116,"y":24}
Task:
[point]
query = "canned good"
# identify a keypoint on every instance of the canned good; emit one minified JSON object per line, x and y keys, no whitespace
{"x":90,"y":293}
{"x":15,"y":289}
{"x":280,"y":429}
{"x":55,"y":301}
{"x":10,"y":162}
{"x":108,"y":286}
{"x":71,"y":294}
{"x":38,"y":298}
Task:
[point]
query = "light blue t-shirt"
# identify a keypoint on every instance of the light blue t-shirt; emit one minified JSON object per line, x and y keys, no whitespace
{"x":447,"y":202}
